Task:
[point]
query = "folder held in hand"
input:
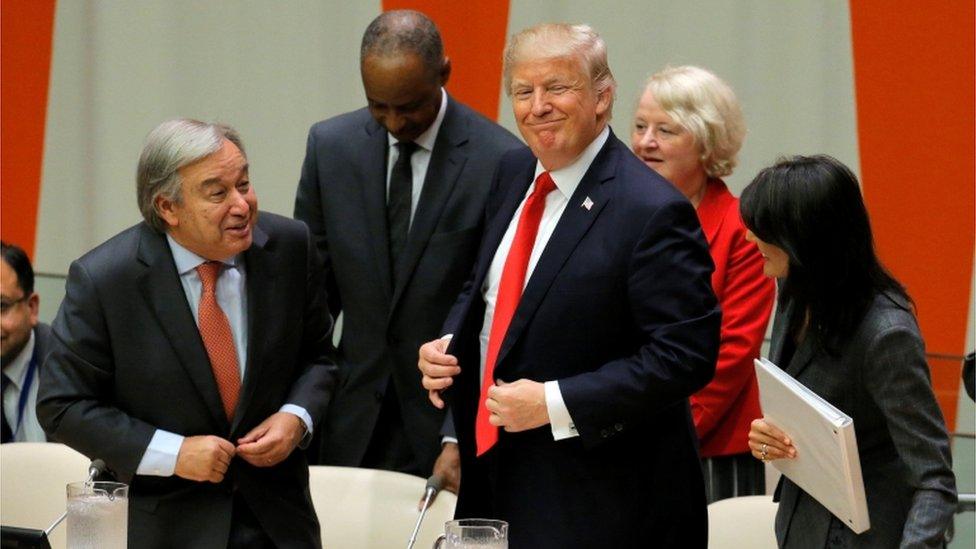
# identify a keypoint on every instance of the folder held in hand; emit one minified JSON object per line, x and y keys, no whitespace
{"x":827,"y":465}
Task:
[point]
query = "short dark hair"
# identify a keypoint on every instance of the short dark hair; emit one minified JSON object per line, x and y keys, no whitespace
{"x":404,"y":31}
{"x":811,"y":207}
{"x":17,"y":258}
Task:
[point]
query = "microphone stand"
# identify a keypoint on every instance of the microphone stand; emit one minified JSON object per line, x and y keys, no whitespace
{"x":434,"y":485}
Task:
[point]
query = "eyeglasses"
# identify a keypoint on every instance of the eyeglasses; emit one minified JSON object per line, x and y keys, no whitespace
{"x":7,"y":305}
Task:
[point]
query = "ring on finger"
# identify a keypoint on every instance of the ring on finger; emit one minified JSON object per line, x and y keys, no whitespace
{"x":764,"y":455}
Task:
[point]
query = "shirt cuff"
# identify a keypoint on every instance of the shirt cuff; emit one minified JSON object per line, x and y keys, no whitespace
{"x":303,"y":415}
{"x":446,"y":440}
{"x":160,"y":457}
{"x":560,"y":421}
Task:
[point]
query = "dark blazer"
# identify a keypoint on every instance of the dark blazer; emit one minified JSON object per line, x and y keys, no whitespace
{"x":879,"y":378}
{"x":342,"y":197}
{"x":620,"y":310}
{"x":127,"y":358}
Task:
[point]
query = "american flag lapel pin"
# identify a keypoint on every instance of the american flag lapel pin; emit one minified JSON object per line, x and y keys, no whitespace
{"x":587,"y":203}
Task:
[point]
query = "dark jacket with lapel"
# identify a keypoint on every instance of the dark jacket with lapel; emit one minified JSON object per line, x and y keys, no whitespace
{"x":127,"y":358}
{"x":618,"y":309}
{"x":880,"y":379}
{"x":342,"y":197}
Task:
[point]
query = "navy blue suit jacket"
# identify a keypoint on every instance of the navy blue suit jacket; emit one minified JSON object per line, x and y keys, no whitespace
{"x":620,"y":310}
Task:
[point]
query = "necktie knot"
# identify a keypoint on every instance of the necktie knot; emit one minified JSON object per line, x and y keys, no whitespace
{"x":544,"y":184}
{"x":208,"y":273}
{"x":406,"y":150}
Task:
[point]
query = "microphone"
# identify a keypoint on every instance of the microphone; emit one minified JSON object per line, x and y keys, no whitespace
{"x":96,"y":468}
{"x":434,"y":484}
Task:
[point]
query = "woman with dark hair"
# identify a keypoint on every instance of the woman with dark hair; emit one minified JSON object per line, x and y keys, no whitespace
{"x":845,"y":328}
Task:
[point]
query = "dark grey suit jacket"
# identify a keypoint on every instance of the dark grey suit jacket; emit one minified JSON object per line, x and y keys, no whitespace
{"x":127,"y":359}
{"x":342,"y":197}
{"x":881,"y":380}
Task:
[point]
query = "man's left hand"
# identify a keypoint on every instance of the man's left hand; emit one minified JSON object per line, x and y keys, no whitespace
{"x":272,"y":441}
{"x":518,"y":406}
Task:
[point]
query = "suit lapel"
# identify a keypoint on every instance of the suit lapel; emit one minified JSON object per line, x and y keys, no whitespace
{"x":804,"y":352}
{"x":373,"y":164}
{"x":261,"y":284}
{"x":780,"y":326}
{"x":161,"y":286}
{"x":711,"y":210}
{"x":499,"y":223}
{"x":570,"y":229}
{"x":446,"y":162}
{"x":802,"y":357}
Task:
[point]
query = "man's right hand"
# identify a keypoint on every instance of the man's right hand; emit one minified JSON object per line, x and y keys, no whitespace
{"x":438,"y":368}
{"x":204,"y":458}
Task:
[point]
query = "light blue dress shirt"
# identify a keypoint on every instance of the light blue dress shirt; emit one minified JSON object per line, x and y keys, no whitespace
{"x":164,"y":448}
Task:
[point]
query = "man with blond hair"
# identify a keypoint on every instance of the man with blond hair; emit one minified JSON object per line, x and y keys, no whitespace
{"x":588,"y":321}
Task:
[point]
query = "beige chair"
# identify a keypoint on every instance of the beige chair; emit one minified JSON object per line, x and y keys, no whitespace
{"x":33,"y":476}
{"x":741,"y":522}
{"x":367,"y":508}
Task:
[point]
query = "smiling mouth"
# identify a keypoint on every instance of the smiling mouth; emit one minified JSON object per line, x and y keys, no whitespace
{"x":545,"y":124}
{"x":240,"y":229}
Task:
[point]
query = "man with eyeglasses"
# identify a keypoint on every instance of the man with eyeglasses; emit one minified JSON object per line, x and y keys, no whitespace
{"x":23,"y":342}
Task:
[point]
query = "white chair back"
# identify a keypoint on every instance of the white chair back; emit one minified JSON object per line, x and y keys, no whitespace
{"x":368,"y":508}
{"x":33,"y":476}
{"x":740,"y":522}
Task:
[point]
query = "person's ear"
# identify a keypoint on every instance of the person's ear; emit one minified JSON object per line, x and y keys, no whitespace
{"x":445,"y":71}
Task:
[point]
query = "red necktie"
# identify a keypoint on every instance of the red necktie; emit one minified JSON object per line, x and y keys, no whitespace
{"x":509,"y":293}
{"x":218,"y":339}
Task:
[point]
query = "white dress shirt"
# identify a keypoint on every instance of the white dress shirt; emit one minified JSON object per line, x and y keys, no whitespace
{"x":26,"y":429}
{"x":566,"y":180}
{"x":164,"y":448}
{"x":420,"y":159}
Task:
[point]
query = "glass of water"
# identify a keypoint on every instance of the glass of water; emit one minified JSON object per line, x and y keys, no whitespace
{"x":98,"y":515}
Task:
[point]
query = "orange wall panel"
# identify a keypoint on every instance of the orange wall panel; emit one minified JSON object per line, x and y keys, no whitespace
{"x":914,"y":79}
{"x":474,"y":35}
{"x":25,"y":55}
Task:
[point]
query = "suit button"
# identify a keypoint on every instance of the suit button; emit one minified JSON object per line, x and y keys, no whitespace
{"x":605,"y":433}
{"x":379,"y":396}
{"x":619,"y":427}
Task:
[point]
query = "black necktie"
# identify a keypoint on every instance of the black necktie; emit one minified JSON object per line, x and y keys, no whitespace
{"x":398,"y":205}
{"x":8,"y":433}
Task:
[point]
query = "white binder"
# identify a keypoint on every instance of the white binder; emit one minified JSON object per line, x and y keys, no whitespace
{"x":827,"y":465}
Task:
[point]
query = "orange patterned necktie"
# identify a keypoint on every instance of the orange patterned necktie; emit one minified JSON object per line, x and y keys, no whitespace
{"x":218,"y":338}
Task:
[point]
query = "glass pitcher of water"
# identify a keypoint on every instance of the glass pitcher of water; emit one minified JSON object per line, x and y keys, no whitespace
{"x":473,"y":534}
{"x":98,"y":515}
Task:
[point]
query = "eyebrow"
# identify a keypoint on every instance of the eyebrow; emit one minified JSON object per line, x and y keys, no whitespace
{"x":216,"y":180}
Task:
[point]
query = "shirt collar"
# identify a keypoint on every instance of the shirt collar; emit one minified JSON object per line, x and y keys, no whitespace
{"x":17,"y":370}
{"x":569,"y":177}
{"x":426,"y":140}
{"x":187,"y":261}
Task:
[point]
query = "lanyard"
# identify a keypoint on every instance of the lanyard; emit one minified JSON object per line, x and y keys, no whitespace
{"x":25,"y":391}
